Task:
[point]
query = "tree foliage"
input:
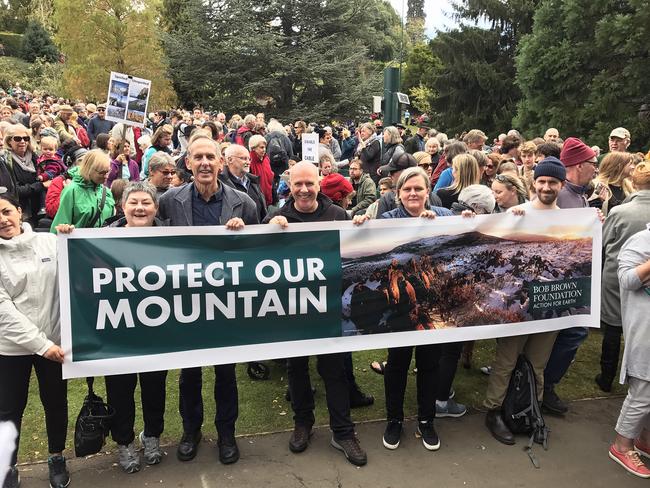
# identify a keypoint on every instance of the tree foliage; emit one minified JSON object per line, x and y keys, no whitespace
{"x":475,"y":88}
{"x":38,"y":44}
{"x":580,"y":69}
{"x":293,"y":58}
{"x":14,"y":15}
{"x":100,"y":36}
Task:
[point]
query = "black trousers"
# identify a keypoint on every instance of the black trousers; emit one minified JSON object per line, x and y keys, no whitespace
{"x":449,"y":357}
{"x":190,"y":402}
{"x":15,"y":373}
{"x":427,"y":360}
{"x":120,"y":390}
{"x":332,"y":370}
{"x":610,"y":351}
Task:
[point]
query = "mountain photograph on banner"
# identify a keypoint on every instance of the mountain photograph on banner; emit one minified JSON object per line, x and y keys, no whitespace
{"x":467,"y":279}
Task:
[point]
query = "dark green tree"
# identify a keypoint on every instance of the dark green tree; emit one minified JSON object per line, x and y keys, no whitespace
{"x":584,"y":74}
{"x":291,"y":59}
{"x":37,"y":43}
{"x":14,"y":15}
{"x":475,"y":88}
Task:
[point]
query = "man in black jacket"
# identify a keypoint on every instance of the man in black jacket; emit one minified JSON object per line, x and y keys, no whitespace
{"x":236,"y":174}
{"x":307,"y":204}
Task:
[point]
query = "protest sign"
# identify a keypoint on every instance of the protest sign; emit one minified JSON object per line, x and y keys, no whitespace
{"x":310,"y":147}
{"x":128,"y":98}
{"x":164,"y":298}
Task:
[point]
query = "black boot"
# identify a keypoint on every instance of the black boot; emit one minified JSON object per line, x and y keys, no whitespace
{"x":498,"y":428}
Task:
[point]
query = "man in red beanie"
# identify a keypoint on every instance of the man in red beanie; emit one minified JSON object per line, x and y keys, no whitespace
{"x":580,"y":162}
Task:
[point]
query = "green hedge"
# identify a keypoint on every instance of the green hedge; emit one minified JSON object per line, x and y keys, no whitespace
{"x":12,"y":43}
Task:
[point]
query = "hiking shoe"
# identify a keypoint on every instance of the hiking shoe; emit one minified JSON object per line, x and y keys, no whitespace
{"x":299,"y":440}
{"x":359,"y":398}
{"x":450,"y":408}
{"x":392,"y":434}
{"x":428,"y":434}
{"x":630,"y":461}
{"x":12,"y":480}
{"x":603,"y":383}
{"x":59,"y":475}
{"x":153,"y":454}
{"x":129,"y":459}
{"x":642,"y":448}
{"x":553,"y":404}
{"x":352,"y":450}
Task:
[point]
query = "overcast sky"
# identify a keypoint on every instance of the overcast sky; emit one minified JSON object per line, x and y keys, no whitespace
{"x":437,"y":12}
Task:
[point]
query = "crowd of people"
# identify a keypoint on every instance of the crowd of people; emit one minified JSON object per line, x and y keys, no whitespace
{"x":64,"y":166}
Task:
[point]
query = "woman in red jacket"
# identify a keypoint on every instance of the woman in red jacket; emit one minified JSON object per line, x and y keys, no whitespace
{"x":261,"y":166}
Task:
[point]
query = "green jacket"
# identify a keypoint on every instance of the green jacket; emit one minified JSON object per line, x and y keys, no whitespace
{"x":366,"y":194}
{"x":80,"y":200}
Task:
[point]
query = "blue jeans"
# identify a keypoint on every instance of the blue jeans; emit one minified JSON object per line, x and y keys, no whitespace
{"x":562,"y":355}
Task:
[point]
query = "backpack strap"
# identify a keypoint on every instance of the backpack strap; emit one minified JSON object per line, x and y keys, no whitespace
{"x":100,"y":209}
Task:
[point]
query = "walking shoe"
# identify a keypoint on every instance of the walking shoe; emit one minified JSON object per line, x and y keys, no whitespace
{"x":299,"y":440}
{"x":486,"y":370}
{"x":603,"y":383}
{"x":428,"y":434}
{"x":352,"y":450}
{"x":450,"y":408}
{"x":642,"y":448}
{"x":153,"y":454}
{"x":359,"y":398}
{"x":553,"y":404}
{"x":228,"y":450}
{"x":498,"y":428}
{"x":392,"y":434}
{"x":129,"y":458}
{"x":630,"y":461}
{"x":189,"y":446}
{"x":12,"y":480}
{"x":59,"y":475}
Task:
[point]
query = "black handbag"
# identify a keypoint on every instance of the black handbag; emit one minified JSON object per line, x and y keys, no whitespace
{"x":93,"y":423}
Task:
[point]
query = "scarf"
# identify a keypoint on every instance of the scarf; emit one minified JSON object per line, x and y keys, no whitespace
{"x":25,"y":162}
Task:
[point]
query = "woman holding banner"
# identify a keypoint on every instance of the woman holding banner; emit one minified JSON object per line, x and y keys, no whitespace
{"x":413,"y":189}
{"x":140,"y":205}
{"x":30,"y":335}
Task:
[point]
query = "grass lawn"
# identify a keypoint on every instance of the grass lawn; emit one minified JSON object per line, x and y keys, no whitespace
{"x":262,"y":407}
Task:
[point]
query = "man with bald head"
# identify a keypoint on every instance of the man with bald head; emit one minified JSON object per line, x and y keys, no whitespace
{"x":307,"y":204}
{"x":206,"y":202}
{"x":551,"y":135}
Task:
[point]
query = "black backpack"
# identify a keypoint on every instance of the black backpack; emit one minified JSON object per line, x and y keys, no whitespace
{"x":521,"y":410}
{"x":278,"y":156}
{"x":93,"y":423}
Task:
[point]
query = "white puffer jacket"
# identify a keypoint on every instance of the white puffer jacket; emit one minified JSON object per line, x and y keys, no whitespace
{"x":29,"y":294}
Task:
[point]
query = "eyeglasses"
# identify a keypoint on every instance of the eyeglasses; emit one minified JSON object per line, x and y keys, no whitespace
{"x":489,"y":166}
{"x":502,"y":178}
{"x":169,"y":173}
{"x":424,"y":165}
{"x":102,"y":173}
{"x":21,"y":138}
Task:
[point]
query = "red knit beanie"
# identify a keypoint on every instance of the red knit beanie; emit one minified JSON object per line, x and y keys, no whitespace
{"x":574,"y":151}
{"x":335,"y":186}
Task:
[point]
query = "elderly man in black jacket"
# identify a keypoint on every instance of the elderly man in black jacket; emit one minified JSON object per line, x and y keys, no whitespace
{"x":206,"y":202}
{"x":236,"y":174}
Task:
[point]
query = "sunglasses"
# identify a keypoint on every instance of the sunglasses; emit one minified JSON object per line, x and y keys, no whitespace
{"x":489,"y":166}
{"x":21,"y":138}
{"x":424,"y":165}
{"x":502,"y":178}
{"x":169,"y":173}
